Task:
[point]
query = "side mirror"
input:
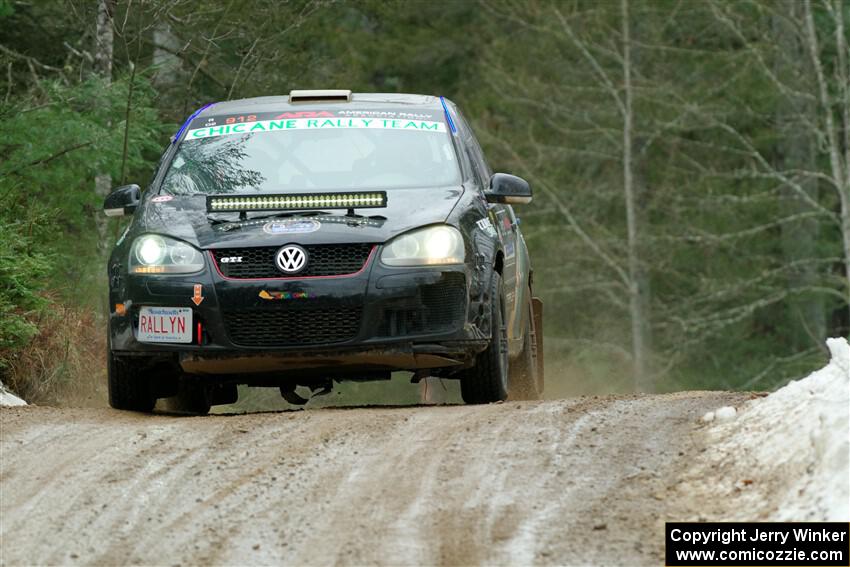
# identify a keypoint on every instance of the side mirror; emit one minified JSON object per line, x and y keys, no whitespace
{"x":508,"y":189}
{"x":122,"y":201}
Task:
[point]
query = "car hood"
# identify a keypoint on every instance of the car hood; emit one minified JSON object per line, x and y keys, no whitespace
{"x":186,"y":218}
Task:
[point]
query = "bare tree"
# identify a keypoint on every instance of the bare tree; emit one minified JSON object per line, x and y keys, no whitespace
{"x":718,"y":133}
{"x":796,"y":145}
{"x":169,"y":75}
{"x":614,"y":79}
{"x":818,"y":108}
{"x":834,"y":114}
{"x":639,"y":291}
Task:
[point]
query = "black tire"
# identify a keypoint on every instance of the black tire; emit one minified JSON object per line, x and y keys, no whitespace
{"x":487,"y":381}
{"x":193,"y":397}
{"x":223,"y":394}
{"x":526,"y":382}
{"x":129,"y":387}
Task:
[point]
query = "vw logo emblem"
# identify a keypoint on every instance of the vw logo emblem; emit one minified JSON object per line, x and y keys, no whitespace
{"x":291,"y":259}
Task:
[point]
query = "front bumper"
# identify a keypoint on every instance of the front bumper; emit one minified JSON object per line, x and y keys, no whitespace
{"x":379,"y":318}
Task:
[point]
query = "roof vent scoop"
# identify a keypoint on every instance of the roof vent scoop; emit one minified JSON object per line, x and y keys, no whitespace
{"x":327,"y":95}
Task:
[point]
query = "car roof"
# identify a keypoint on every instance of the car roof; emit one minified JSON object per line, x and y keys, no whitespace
{"x":358,"y":101}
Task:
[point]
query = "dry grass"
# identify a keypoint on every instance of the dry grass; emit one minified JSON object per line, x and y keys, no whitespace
{"x":65,"y":364}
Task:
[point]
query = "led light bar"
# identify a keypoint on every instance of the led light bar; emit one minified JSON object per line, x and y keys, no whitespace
{"x":303,"y":201}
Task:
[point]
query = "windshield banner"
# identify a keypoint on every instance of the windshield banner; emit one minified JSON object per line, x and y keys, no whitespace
{"x":213,"y":126}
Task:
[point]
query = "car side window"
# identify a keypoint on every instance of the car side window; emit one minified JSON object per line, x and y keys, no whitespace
{"x":479,"y":156}
{"x":480,"y":176}
{"x":475,"y":148}
{"x":469,"y":171}
{"x":473,"y":152}
{"x":160,"y":166}
{"x":464,"y":157}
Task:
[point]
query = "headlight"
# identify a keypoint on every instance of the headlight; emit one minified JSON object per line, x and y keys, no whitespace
{"x":154,"y":254}
{"x":429,"y":246}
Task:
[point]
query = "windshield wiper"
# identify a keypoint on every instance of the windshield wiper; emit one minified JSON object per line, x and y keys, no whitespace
{"x":290,"y":214}
{"x":243,"y":216}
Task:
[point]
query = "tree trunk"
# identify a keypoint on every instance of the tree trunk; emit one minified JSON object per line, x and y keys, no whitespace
{"x":843,"y":73}
{"x":837,"y":165}
{"x":103,"y":69}
{"x":639,"y":297}
{"x":806,"y":316}
{"x":169,"y":76}
{"x":845,"y":234}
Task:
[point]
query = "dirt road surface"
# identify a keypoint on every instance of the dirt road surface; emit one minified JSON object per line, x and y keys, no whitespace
{"x":580,"y":481}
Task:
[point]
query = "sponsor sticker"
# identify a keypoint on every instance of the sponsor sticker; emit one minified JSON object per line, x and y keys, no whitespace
{"x":285,"y":295}
{"x":232,"y":119}
{"x":292,"y":226}
{"x":198,"y":294}
{"x":486,"y":226}
{"x":162,"y":199}
{"x":315,"y":124}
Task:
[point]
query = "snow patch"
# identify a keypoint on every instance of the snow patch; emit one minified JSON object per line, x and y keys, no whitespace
{"x":792,"y":447}
{"x":7,"y":398}
{"x":726,"y":413}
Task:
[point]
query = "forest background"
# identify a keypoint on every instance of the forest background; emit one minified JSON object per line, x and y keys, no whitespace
{"x":690,"y":160}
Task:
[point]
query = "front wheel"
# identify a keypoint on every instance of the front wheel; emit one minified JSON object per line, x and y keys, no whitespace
{"x":193,"y":397}
{"x":129,"y":388}
{"x":487,"y":381}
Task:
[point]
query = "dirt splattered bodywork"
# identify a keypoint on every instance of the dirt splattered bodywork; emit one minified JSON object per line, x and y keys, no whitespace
{"x":233,"y":272}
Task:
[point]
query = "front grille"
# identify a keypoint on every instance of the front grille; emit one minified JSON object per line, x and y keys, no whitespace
{"x":435,"y":308}
{"x":292,"y":327}
{"x":322,"y":260}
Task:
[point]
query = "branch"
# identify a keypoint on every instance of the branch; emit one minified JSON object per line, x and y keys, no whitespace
{"x":765,"y":68}
{"x":31,"y":60}
{"x":603,"y":77}
{"x":701,"y":328}
{"x":709,"y":238}
{"x":773,"y":363}
{"x":203,"y":58}
{"x":738,"y":288}
{"x":50,"y":157}
{"x":183,"y":55}
{"x":567,"y":214}
{"x":81,"y":54}
{"x":832,"y":136}
{"x":843,"y":73}
{"x":773,"y":173}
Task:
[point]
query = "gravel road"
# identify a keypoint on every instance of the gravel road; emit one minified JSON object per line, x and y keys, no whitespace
{"x":575,"y":481}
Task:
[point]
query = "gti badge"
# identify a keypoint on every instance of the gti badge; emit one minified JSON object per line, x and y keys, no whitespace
{"x":231,"y":260}
{"x":291,"y":259}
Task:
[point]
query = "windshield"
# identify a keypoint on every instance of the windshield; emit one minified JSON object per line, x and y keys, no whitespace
{"x":221,"y":155}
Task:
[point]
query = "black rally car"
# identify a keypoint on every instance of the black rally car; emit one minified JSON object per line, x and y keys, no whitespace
{"x":324,"y":236}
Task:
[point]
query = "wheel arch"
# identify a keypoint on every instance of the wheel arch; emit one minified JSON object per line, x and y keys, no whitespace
{"x":499,"y":262}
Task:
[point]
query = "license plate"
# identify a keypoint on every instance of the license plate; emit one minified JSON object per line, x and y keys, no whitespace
{"x":165,"y":325}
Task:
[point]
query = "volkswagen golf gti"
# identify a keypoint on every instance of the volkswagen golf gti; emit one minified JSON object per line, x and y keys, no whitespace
{"x":303,"y":240}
